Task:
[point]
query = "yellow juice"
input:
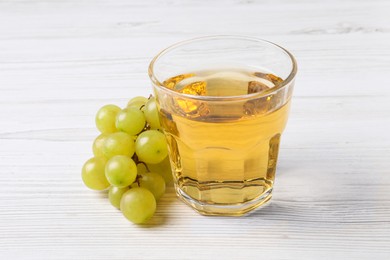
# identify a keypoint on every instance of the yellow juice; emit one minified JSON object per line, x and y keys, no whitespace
{"x":224,"y":154}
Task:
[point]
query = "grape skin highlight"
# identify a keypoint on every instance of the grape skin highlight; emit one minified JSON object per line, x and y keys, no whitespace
{"x":97,"y":146}
{"x":138,"y":205}
{"x":121,"y":171}
{"x":151,"y":147}
{"x":105,"y":118}
{"x":151,"y":113}
{"x":137,"y":102}
{"x":131,"y":121}
{"x":93,"y":174}
{"x":118,"y":144}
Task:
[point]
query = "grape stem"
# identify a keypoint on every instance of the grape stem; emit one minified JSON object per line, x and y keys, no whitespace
{"x":137,"y":161}
{"x":137,"y":180}
{"x":146,"y":166}
{"x":135,"y":158}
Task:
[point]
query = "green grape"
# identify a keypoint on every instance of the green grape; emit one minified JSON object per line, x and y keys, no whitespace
{"x":164,"y":169}
{"x":137,"y":102}
{"x":93,"y":174}
{"x":97,"y":146}
{"x":131,"y":121}
{"x":118,"y":144}
{"x":151,"y":146}
{"x":105,"y":118}
{"x":141,"y":168}
{"x":154,"y":182}
{"x":115,"y":195}
{"x":138,"y":205}
{"x":121,"y":171}
{"x":151,"y":113}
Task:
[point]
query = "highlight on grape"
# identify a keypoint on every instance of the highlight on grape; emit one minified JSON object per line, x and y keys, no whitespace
{"x":130,"y":158}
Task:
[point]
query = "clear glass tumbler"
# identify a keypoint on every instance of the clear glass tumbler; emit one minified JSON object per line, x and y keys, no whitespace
{"x":223,"y":104}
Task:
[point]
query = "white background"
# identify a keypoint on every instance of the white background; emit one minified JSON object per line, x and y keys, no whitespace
{"x":62,"y":60}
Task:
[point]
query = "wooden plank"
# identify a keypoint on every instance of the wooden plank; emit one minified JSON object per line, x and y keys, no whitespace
{"x":61,"y":60}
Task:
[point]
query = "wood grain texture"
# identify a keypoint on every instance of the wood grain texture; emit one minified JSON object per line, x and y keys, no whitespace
{"x":61,"y":60}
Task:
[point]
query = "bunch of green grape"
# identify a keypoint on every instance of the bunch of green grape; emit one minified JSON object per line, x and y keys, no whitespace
{"x":130,"y":158}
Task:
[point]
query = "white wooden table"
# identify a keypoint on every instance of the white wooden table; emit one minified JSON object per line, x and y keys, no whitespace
{"x":61,"y":60}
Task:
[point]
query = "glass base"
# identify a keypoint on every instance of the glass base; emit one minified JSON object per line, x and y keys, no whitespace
{"x":224,"y":209}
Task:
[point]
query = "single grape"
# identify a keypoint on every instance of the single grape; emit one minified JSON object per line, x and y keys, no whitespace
{"x":97,"y":146}
{"x":154,"y":182}
{"x":151,"y":113}
{"x":115,"y":195}
{"x":151,"y":146}
{"x":138,"y":205}
{"x":137,"y":102}
{"x":121,"y":171}
{"x":105,"y":118}
{"x":164,"y":169}
{"x":93,"y":174}
{"x":118,"y":144}
{"x":130,"y":120}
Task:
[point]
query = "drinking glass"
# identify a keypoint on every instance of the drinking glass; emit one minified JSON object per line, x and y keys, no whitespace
{"x":223,"y":103}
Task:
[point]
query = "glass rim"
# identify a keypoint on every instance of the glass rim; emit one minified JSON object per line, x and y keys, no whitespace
{"x":160,"y":85}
